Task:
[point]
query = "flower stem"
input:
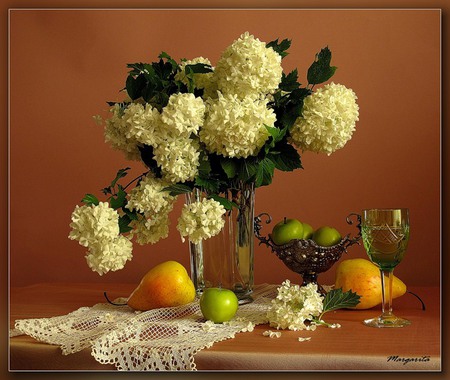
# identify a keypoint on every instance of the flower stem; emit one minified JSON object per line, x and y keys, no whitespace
{"x":137,"y":178}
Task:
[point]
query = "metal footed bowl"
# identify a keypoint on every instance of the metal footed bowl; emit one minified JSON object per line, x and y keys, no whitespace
{"x":304,"y":256}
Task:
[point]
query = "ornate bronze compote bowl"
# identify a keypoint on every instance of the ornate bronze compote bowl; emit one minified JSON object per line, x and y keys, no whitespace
{"x":304,"y":256}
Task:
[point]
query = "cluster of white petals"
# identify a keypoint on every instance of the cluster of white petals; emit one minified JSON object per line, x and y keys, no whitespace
{"x":178,"y":159}
{"x":328,"y":120}
{"x":150,"y":231}
{"x":248,"y":67}
{"x":201,"y":80}
{"x":109,"y":255}
{"x":116,"y":131}
{"x":183,"y":115}
{"x":141,"y":122}
{"x":149,"y":198}
{"x":295,"y":307}
{"x":96,"y":227}
{"x":93,"y":223}
{"x":235,"y":127}
{"x":201,"y":220}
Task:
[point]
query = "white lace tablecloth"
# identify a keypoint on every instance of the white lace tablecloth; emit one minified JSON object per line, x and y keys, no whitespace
{"x":161,"y":339}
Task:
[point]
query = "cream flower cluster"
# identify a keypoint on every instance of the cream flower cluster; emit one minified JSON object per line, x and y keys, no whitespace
{"x":149,"y":198}
{"x":247,"y":67}
{"x":178,"y":159}
{"x":93,"y":223}
{"x":235,"y":127}
{"x":295,"y":307}
{"x":201,"y":220}
{"x":151,"y":230}
{"x":176,"y":153}
{"x":183,"y":115}
{"x":328,"y":121}
{"x":201,"y":80}
{"x":97,"y":228}
{"x":109,"y":255}
{"x":116,"y":131}
{"x":141,"y":123}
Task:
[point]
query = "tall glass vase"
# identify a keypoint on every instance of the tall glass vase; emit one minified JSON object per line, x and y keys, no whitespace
{"x":226,"y":260}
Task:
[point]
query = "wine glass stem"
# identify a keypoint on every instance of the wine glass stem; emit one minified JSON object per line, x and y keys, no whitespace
{"x":387,"y":277}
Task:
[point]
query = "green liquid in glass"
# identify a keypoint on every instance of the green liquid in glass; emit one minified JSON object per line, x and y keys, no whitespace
{"x":385,"y":245}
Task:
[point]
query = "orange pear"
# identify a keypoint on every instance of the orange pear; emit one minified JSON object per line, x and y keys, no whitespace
{"x":364,"y":278}
{"x":165,"y":285}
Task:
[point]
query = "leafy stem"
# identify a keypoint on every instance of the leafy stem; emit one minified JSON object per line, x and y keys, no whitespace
{"x":136,"y":179}
{"x":337,"y":299}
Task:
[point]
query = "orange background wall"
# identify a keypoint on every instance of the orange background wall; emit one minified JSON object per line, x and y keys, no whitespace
{"x":65,"y":64}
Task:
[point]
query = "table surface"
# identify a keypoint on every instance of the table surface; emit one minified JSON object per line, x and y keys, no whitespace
{"x":349,"y":348}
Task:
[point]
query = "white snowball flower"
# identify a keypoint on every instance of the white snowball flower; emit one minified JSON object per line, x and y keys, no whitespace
{"x":141,"y":122}
{"x":328,"y":120}
{"x":183,"y":115}
{"x":94,"y":223}
{"x":295,"y":306}
{"x":116,"y":130}
{"x":236,"y":128}
{"x":248,"y":67}
{"x":201,"y":220}
{"x":152,"y":230}
{"x":149,"y":198}
{"x":178,"y":159}
{"x":109,"y":255}
{"x":201,"y":80}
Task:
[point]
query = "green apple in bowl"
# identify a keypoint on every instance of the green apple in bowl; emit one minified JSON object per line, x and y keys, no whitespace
{"x":326,"y":236}
{"x":307,"y":231}
{"x":287,"y":230}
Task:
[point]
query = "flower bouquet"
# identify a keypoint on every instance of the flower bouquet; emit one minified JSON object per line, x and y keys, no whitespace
{"x":208,"y":130}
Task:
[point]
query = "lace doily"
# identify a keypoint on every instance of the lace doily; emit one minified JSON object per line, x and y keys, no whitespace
{"x":161,"y":339}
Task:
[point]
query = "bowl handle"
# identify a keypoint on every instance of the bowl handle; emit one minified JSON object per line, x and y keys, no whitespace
{"x":257,"y":224}
{"x":357,"y":238}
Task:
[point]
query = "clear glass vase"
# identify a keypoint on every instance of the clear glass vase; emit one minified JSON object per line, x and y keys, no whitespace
{"x":226,"y":260}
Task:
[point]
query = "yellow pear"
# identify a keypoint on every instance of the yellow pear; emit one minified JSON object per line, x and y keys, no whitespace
{"x":165,"y":285}
{"x":364,"y":278}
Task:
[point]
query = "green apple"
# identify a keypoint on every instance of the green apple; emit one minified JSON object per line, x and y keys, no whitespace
{"x":326,"y":236}
{"x":307,"y":231}
{"x":287,"y":230}
{"x":218,"y":304}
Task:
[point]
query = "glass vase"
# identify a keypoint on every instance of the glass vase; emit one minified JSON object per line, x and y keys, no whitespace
{"x":226,"y":260}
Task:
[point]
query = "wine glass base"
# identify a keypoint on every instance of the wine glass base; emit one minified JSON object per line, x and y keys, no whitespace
{"x":389,"y":322}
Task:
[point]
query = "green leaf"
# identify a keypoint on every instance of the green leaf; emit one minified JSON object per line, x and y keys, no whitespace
{"x":119,"y":200}
{"x":120,"y":174}
{"x":90,"y":199}
{"x":198,"y":68}
{"x":288,"y":107}
{"x":320,"y":70}
{"x":135,"y":86}
{"x":208,"y":184}
{"x":227,"y":204}
{"x":229,"y":166}
{"x":337,"y":299}
{"x":178,"y":189}
{"x":264,"y":172}
{"x":289,"y":82}
{"x":169,"y":59}
{"x":132,"y":214}
{"x":247,"y":168}
{"x":124,"y":221}
{"x":204,"y":167}
{"x":286,"y":158}
{"x":281,"y":48}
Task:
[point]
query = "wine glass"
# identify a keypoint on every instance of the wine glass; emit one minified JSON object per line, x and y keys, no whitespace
{"x":385,"y":234}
